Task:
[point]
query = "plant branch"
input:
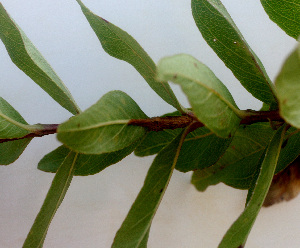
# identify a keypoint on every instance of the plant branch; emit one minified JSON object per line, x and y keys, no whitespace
{"x":161,"y":123}
{"x":47,"y":129}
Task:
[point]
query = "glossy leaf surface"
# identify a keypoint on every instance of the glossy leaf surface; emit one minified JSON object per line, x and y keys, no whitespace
{"x":103,"y":128}
{"x":85,"y":164}
{"x":210,"y":100}
{"x":237,"y":235}
{"x":121,"y":45}
{"x":285,"y":13}
{"x":288,"y":89}
{"x":223,"y":36}
{"x":28,"y":59}
{"x":239,"y":163}
{"x":11,"y":151}
{"x":54,"y":198}
{"x":135,"y":228}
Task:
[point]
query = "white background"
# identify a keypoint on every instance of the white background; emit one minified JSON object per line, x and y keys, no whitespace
{"x":95,"y":206}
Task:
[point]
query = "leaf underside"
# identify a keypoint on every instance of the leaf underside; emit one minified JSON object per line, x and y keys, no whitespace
{"x":103,"y":128}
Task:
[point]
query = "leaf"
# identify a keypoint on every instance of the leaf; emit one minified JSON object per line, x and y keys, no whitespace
{"x":223,"y":36}
{"x":290,"y":150}
{"x":211,"y":101}
{"x":237,"y":235}
{"x":55,"y":196}
{"x":201,"y":149}
{"x":85,"y":164}
{"x":12,"y":124}
{"x":135,"y":228}
{"x":288,"y":88}
{"x":103,"y":128}
{"x":10,"y":151}
{"x":28,"y":59}
{"x":121,"y":45}
{"x":154,"y":142}
{"x":239,"y":163}
{"x":286,"y":14}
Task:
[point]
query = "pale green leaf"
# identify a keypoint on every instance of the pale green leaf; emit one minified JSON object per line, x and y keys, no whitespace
{"x":121,"y":45}
{"x":85,"y":164}
{"x":211,"y":101}
{"x":103,"y":128}
{"x":288,"y":89}
{"x":10,"y":151}
{"x":237,"y":235}
{"x":12,"y":124}
{"x":135,"y":228}
{"x":25,"y":56}
{"x":223,"y":36}
{"x":285,"y":13}
{"x":54,"y":198}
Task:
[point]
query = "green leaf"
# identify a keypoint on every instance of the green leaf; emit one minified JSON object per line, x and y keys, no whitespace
{"x":154,"y":142}
{"x":286,"y":14}
{"x":201,"y":149}
{"x":10,"y":151}
{"x":55,"y":196}
{"x":28,"y":59}
{"x":290,"y":150}
{"x":103,"y":128}
{"x":12,"y":124}
{"x":211,"y":101}
{"x":85,"y":164}
{"x":288,"y":88}
{"x":135,"y":229}
{"x":239,"y":163}
{"x":223,"y":36}
{"x":121,"y":45}
{"x":237,"y":235}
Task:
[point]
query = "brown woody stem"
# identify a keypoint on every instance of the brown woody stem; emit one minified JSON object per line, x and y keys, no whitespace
{"x":168,"y":122}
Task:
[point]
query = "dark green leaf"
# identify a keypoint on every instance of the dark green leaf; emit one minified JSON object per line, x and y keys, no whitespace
{"x":288,"y":89}
{"x":121,"y":45}
{"x":238,"y":164}
{"x":154,"y":142}
{"x":237,"y":235}
{"x":290,"y":150}
{"x":10,"y":151}
{"x":285,"y":13}
{"x":25,"y":56}
{"x":223,"y":36}
{"x":211,"y":101}
{"x":85,"y":164}
{"x":55,"y":196}
{"x":103,"y":128}
{"x":135,"y":229}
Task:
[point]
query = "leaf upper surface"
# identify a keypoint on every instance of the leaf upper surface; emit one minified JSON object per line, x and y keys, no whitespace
{"x":211,"y":101}
{"x":286,"y":14}
{"x":121,"y":45}
{"x":135,"y":229}
{"x":55,"y":196}
{"x":288,"y":89}
{"x":237,"y":235}
{"x":28,"y":59}
{"x":223,"y":36}
{"x":103,"y":128}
